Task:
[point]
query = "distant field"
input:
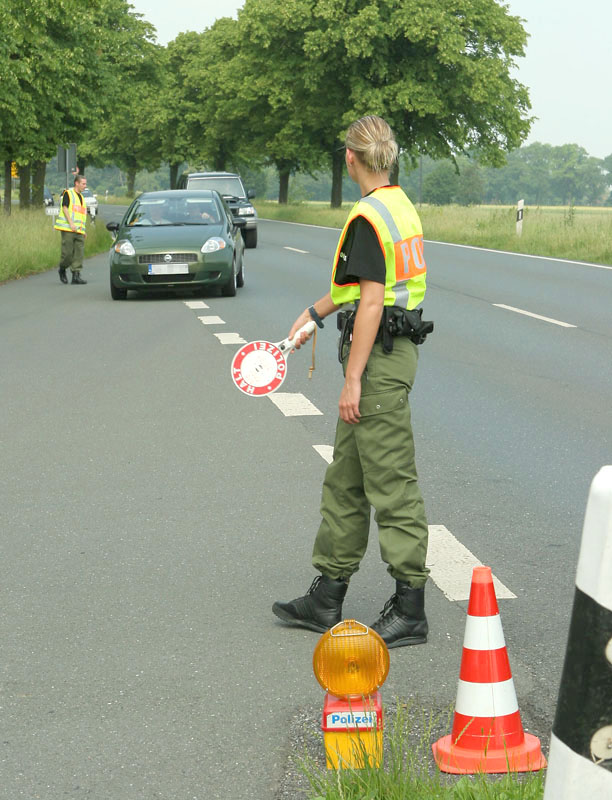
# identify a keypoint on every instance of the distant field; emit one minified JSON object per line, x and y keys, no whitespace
{"x":579,"y":234}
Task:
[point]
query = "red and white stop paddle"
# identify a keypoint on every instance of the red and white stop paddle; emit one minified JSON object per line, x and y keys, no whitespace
{"x":259,"y":368}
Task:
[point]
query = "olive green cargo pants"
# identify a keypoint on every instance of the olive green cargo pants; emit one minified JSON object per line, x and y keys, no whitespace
{"x":374,"y":466}
{"x":73,"y":248}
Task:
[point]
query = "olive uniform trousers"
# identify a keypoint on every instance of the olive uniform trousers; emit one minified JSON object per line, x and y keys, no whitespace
{"x":73,"y":248}
{"x":374,"y":466}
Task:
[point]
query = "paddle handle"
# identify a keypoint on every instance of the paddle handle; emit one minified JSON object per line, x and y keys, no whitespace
{"x":289,"y":344}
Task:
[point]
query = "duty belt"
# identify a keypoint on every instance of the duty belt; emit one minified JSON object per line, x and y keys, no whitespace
{"x":395,"y":321}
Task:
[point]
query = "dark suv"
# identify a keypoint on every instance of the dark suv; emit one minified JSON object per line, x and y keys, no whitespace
{"x":230,"y":187}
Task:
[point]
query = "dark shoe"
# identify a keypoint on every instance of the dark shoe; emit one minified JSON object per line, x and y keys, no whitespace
{"x":62,"y":274}
{"x":76,"y":278}
{"x":402,"y":621}
{"x":319,"y":609}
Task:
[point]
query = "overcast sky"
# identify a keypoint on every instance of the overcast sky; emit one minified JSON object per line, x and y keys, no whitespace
{"x":567,"y":69}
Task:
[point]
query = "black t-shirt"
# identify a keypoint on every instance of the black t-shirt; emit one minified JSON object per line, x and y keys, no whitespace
{"x":361,"y":255}
{"x":66,"y":198}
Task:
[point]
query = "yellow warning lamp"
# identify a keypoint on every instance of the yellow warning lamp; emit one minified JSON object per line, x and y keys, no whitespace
{"x":350,"y":660}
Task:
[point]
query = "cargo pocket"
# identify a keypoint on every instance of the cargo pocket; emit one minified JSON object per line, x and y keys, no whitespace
{"x":383,"y":402}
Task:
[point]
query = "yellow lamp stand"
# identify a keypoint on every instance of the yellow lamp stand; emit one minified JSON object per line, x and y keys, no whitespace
{"x":352,"y":731}
{"x":351,"y":662}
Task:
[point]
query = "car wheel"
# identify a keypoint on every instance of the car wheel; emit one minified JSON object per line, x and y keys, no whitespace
{"x":240,"y":276}
{"x":229,"y":289}
{"x":250,"y":238}
{"x":117,"y":294}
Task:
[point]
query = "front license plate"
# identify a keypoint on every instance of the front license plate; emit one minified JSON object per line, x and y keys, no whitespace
{"x":168,"y":269}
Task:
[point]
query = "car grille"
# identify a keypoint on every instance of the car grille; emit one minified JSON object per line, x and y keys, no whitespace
{"x":167,"y":278}
{"x":159,"y":258}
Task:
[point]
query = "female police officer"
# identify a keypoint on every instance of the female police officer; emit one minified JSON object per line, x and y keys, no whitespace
{"x":378,"y":275}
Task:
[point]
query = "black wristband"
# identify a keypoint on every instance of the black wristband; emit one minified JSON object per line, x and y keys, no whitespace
{"x":315,"y":317}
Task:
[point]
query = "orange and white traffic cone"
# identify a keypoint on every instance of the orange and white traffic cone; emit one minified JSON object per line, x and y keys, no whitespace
{"x":487,"y":733}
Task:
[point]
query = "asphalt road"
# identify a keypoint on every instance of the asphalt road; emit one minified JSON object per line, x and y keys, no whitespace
{"x":151,"y":514}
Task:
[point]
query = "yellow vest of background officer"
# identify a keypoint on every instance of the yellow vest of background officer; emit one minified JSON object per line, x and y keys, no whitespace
{"x":76,"y":212}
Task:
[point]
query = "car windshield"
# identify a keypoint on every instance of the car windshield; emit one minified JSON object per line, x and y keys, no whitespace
{"x":226,"y":186}
{"x":185,"y":211}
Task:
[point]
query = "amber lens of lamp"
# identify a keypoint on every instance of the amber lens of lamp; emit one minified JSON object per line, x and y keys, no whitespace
{"x":350,"y":659}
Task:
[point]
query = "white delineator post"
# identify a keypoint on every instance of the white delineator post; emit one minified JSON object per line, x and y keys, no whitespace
{"x":580,"y":762}
{"x":519,"y":217}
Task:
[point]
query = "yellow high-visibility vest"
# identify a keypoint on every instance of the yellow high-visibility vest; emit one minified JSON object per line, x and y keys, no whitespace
{"x":76,"y":212}
{"x":398,"y":228}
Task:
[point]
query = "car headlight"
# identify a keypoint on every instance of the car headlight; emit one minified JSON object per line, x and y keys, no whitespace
{"x":125,"y":248}
{"x":245,"y":210}
{"x":212,"y":245}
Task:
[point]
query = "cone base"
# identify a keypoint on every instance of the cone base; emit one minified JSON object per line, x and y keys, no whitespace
{"x":526,"y":757}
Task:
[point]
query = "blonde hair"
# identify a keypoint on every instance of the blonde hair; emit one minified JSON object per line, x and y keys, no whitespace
{"x":373,"y":142}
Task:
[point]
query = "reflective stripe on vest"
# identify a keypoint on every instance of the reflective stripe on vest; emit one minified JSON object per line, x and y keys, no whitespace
{"x":398,"y":228}
{"x":76,"y":212}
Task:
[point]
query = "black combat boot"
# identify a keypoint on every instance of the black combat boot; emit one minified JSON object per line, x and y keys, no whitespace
{"x":319,"y":609}
{"x":62,"y":274}
{"x":402,"y":621}
{"x":76,"y":278}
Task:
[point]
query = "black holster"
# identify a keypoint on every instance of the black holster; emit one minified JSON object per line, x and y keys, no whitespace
{"x":395,"y":321}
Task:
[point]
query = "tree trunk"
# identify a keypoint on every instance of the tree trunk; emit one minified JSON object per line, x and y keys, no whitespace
{"x":220,"y":160}
{"x":8,"y":186}
{"x":283,"y":186}
{"x":174,"y":168}
{"x":38,"y":183}
{"x":131,"y":182}
{"x":394,"y":174}
{"x":24,"y":186}
{"x":337,"y":169}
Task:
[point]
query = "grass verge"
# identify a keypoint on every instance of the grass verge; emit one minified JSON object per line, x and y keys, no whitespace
{"x":408,"y":772}
{"x":578,"y":234}
{"x":29,"y":244}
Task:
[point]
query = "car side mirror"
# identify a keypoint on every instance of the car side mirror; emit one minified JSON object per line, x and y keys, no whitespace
{"x":239,"y":222}
{"x":112,"y":226}
{"x":251,"y":193}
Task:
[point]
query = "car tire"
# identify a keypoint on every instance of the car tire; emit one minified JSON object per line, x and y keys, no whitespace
{"x":240,"y":276}
{"x":229,"y":289}
{"x":117,"y":294}
{"x":250,"y":238}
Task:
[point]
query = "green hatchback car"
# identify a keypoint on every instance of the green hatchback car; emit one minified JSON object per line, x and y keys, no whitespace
{"x":177,"y":240}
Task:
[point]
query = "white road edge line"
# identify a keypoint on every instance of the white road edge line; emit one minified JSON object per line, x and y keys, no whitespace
{"x":521,"y":255}
{"x":296,"y":250}
{"x":294,"y":404}
{"x":466,"y":246}
{"x":535,"y":316}
{"x":451,"y":565}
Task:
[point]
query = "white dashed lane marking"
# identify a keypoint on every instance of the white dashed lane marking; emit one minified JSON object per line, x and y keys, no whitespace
{"x":211,"y":320}
{"x":326,"y":451}
{"x":195,"y":304}
{"x":230,"y":338}
{"x":451,"y":565}
{"x":294,"y":404}
{"x":296,"y":250}
{"x":535,"y":316}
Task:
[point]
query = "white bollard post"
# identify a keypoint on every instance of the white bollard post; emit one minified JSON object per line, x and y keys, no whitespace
{"x":580,"y":762}
{"x":519,"y":217}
